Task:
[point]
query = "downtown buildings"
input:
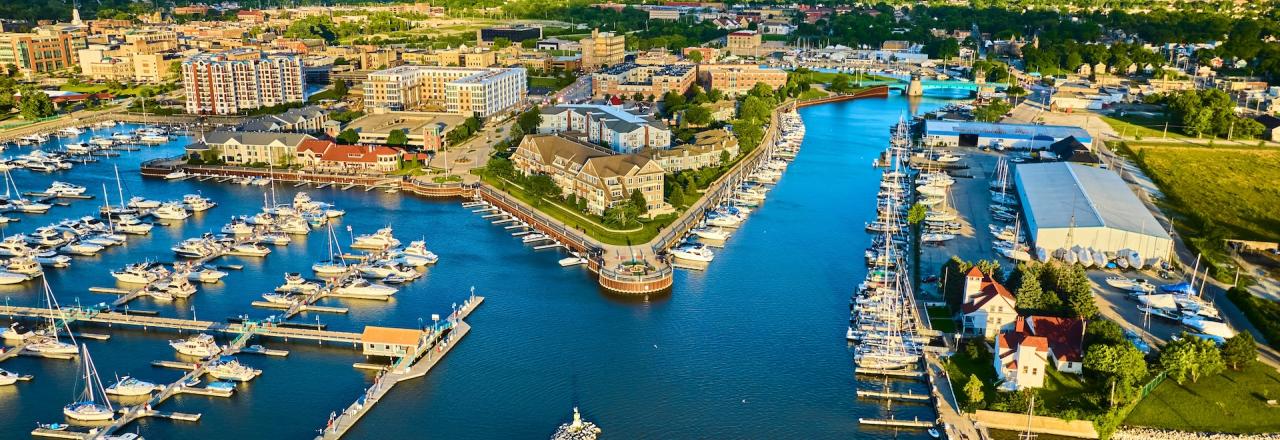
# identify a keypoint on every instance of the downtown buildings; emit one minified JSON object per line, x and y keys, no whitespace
{"x":480,"y":92}
{"x":234,"y":81}
{"x":42,"y":51}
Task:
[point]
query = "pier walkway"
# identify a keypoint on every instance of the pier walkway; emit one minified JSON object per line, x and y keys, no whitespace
{"x":111,"y":318}
{"x":409,"y":367}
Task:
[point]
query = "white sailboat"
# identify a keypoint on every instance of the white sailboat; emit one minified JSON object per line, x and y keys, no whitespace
{"x":93,"y":405}
{"x":49,"y":343}
{"x":335,"y":265}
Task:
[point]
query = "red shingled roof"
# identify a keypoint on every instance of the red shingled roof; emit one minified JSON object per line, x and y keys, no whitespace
{"x":317,"y":146}
{"x":356,"y":153}
{"x":988,"y":289}
{"x":1065,"y":335}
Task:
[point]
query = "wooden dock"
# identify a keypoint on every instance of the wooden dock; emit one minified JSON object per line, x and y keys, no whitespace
{"x":894,"y":396}
{"x":895,"y":423}
{"x":914,"y":374}
{"x":408,"y":367}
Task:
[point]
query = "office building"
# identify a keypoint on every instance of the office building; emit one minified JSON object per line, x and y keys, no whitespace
{"x":602,"y":49}
{"x":465,"y":91}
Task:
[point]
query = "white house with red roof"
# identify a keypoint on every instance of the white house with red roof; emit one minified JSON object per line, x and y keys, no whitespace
{"x":987,"y":307}
{"x":1020,"y":359}
{"x":1065,"y":337}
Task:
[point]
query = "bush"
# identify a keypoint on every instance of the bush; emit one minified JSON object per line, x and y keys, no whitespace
{"x":1264,"y":314}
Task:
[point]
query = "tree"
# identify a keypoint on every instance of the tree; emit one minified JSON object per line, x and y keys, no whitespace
{"x":397,"y":138}
{"x":761,"y":90}
{"x":841,"y":83}
{"x":672,"y":101}
{"x":755,"y":110}
{"x":348,"y":137}
{"x":676,"y":198}
{"x":695,"y":56}
{"x":340,"y":88}
{"x":500,"y":167}
{"x":715,"y":95}
{"x":1027,"y":289}
{"x":1104,"y":331}
{"x":529,"y":120}
{"x":1240,"y":350}
{"x":916,"y":214}
{"x":1121,"y":364}
{"x":35,"y":104}
{"x":992,"y":111}
{"x":1015,"y":92}
{"x":637,"y":97}
{"x":697,"y":115}
{"x":541,"y":186}
{"x":638,"y":202}
{"x":724,"y":158}
{"x":1191,"y":357}
{"x":501,"y":43}
{"x":973,"y":394}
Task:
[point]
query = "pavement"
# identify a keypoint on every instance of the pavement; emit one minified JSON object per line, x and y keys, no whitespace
{"x":970,"y":198}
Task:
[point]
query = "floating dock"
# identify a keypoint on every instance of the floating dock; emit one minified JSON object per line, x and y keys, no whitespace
{"x":894,"y":396}
{"x":897,"y":423}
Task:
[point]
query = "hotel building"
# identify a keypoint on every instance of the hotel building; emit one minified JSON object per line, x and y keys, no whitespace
{"x":481,"y":92}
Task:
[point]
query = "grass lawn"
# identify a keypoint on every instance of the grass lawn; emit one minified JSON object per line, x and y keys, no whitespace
{"x":1131,"y":126}
{"x":548,"y":82}
{"x":826,"y":77}
{"x":813,"y":94}
{"x":941,"y":320}
{"x":1234,"y":187}
{"x":1231,"y":402}
{"x":961,"y":365}
{"x":595,"y":230}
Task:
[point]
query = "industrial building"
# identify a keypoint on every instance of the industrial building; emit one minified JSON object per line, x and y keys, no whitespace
{"x":999,"y":135}
{"x":1066,"y":205}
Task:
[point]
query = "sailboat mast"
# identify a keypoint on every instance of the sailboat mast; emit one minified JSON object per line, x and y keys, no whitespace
{"x":119,"y":186}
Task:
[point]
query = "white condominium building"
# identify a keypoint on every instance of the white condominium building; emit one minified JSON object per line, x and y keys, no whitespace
{"x":233,"y":81}
{"x":466,"y":91}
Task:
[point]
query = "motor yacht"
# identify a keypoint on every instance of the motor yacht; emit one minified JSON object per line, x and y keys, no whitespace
{"x":201,"y":345}
{"x":140,"y":273}
{"x":65,"y":189}
{"x":281,"y":298}
{"x":7,"y":277}
{"x":9,"y":377}
{"x":205,"y":274}
{"x":130,"y":224}
{"x":250,"y":250}
{"x":70,"y":132}
{"x":228,"y":368}
{"x":14,"y":245}
{"x":131,"y":386}
{"x":81,"y":248}
{"x":28,"y":207}
{"x":295,"y":283}
{"x":47,"y":236}
{"x":137,"y":202}
{"x":711,"y":233}
{"x":237,"y":227}
{"x":198,"y":203}
{"x":416,"y":254}
{"x":17,"y":331}
{"x":293,"y":225}
{"x":174,"y":287}
{"x":360,"y":288}
{"x":25,"y":265}
{"x":275,"y":238}
{"x":381,"y":239}
{"x":697,"y":253}
{"x":171,"y":211}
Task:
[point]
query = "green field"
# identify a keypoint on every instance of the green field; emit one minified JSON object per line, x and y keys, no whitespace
{"x":1231,"y":402}
{"x":590,"y":225}
{"x":1233,"y":187}
{"x":1131,"y":126}
{"x":813,"y":94}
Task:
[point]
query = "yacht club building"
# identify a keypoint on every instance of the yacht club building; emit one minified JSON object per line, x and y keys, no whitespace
{"x":999,"y":135}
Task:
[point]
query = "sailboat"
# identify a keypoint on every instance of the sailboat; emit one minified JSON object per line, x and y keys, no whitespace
{"x":110,"y":212}
{"x":50,"y":343}
{"x":88,"y":408}
{"x":335,"y":265}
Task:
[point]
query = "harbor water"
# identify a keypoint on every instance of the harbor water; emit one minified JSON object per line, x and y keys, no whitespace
{"x":752,"y":347}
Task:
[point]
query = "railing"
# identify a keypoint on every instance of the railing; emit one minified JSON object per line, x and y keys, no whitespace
{"x":550,"y":225}
{"x":627,"y":276}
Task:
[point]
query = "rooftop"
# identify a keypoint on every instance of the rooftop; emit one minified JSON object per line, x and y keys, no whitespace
{"x":388,"y":335}
{"x":412,"y":122}
{"x":1063,"y":194}
{"x":1020,"y":131}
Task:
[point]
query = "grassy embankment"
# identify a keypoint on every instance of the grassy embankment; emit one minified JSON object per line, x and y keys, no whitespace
{"x":1235,"y":401}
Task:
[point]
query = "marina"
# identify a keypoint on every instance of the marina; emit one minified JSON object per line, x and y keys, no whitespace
{"x":455,"y":232}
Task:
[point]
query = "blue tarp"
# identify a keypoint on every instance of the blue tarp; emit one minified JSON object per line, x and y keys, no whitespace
{"x":1183,"y":287}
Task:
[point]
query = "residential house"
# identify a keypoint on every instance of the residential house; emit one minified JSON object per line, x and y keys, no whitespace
{"x":1020,"y":360}
{"x":1065,"y":337}
{"x":987,"y":306}
{"x":249,"y":147}
{"x":619,"y":129}
{"x":707,"y":150}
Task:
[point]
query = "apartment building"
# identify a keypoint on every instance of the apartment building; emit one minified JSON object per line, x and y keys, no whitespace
{"x":707,"y":150}
{"x":598,"y":176}
{"x":233,"y":81}
{"x":602,"y":49}
{"x":149,"y":42}
{"x":620,"y":130}
{"x":44,"y":50}
{"x":143,"y":68}
{"x":628,"y":79}
{"x":743,"y":43}
{"x":460,"y":90}
{"x":737,"y":79}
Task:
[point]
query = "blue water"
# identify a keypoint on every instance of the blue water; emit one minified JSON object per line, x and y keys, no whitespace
{"x":751,"y":348}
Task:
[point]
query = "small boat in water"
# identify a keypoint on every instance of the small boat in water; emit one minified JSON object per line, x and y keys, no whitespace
{"x":131,"y":386}
{"x":93,"y":405}
{"x":229,"y":368}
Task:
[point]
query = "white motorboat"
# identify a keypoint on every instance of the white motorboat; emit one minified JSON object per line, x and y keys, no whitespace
{"x":198,"y":203}
{"x":176,"y":286}
{"x":376,"y":269}
{"x":535,"y":237}
{"x":295,"y":283}
{"x":81,"y":248}
{"x":93,"y":405}
{"x":140,"y":273}
{"x":142,"y":203}
{"x":102,"y":142}
{"x":275,"y":238}
{"x":17,"y":331}
{"x":49,"y":237}
{"x":250,"y":250}
{"x":261,"y":219}
{"x":201,"y":345}
{"x":700,"y":254}
{"x":281,"y":298}
{"x":360,"y":288}
{"x":206,"y":275}
{"x":417,"y":255}
{"x":293,"y":225}
{"x":228,"y":368}
{"x":572,"y":261}
{"x":130,"y":224}
{"x":14,"y":245}
{"x":171,"y":211}
{"x":7,"y":277}
{"x":65,"y":189}
{"x":52,"y":259}
{"x":711,"y":233}
{"x":78,"y":148}
{"x":330,"y":267}
{"x":70,"y":132}
{"x":153,"y":139}
{"x":28,"y":207}
{"x":26,"y":265}
{"x":381,"y":239}
{"x":9,"y":377}
{"x":237,"y":227}
{"x":131,"y":386}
